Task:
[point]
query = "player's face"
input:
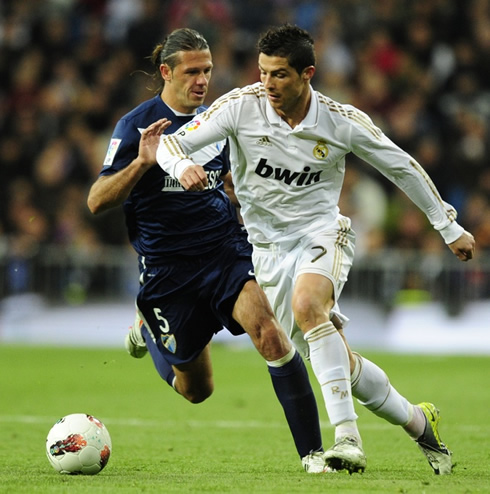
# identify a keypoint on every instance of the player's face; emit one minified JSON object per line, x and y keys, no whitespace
{"x":286,"y":90}
{"x":186,"y":85}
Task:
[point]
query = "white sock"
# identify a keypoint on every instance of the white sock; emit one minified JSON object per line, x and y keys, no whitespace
{"x":330,"y":363}
{"x":372,"y":388}
{"x":416,"y":427}
{"x":348,"y":428}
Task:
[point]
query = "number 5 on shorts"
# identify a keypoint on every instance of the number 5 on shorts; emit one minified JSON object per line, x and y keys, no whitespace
{"x":158,"y":315}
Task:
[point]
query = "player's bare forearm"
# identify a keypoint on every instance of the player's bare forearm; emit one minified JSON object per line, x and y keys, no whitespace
{"x":111,"y":191}
{"x":464,"y":247}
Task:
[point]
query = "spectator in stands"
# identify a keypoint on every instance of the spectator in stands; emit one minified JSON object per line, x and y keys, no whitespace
{"x":96,"y":65}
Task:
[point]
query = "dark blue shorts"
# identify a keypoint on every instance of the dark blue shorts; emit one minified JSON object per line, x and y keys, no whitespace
{"x":187,"y":300}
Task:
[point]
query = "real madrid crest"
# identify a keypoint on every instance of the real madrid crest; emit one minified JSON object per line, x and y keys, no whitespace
{"x":320,"y":151}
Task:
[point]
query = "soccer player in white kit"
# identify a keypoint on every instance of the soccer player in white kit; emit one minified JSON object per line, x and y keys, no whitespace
{"x":288,"y":162}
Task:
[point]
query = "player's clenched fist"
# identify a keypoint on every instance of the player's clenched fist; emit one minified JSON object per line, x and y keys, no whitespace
{"x":194,"y":178}
{"x":464,"y":247}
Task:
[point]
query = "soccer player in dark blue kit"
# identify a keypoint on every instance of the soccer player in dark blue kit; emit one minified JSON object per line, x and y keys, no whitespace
{"x":196,"y":272}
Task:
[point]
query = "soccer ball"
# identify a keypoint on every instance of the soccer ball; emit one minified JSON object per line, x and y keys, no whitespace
{"x":78,"y":444}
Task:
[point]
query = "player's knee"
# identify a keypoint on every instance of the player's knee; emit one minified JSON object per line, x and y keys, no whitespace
{"x":196,"y":396}
{"x":271,"y":342}
{"x":306,"y":313}
{"x":196,"y":393}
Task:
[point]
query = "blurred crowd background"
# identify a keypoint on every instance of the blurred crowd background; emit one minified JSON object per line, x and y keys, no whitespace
{"x":69,"y":69}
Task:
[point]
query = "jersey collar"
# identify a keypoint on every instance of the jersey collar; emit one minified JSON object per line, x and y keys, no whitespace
{"x":309,"y":121}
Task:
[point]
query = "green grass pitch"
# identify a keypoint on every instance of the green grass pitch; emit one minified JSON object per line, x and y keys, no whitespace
{"x":237,"y":441}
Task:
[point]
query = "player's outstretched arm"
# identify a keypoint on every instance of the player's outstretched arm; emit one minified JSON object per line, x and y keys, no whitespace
{"x":112,"y":190}
{"x":464,"y":247}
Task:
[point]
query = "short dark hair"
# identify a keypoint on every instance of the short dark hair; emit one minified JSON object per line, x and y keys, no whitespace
{"x":183,"y":39}
{"x":289,"y":42}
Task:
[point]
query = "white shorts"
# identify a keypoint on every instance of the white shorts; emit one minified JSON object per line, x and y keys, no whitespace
{"x":329,"y":253}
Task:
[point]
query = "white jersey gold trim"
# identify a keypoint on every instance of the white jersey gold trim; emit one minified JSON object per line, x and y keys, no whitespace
{"x":288,"y":181}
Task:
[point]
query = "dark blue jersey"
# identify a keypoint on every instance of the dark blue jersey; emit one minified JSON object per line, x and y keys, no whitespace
{"x":162,"y":218}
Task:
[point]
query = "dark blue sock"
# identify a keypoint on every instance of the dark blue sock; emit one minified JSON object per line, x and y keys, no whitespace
{"x":162,"y":366}
{"x":293,"y":389}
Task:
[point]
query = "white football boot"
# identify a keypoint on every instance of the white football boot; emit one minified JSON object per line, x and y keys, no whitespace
{"x":315,"y":463}
{"x":346,"y":454}
{"x":134,"y":342}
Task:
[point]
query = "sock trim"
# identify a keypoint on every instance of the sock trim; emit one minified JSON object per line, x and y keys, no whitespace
{"x":356,"y":373}
{"x":283,"y":360}
{"x":320,"y":331}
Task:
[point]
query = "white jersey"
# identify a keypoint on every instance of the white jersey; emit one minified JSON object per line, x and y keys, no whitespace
{"x":288,"y":181}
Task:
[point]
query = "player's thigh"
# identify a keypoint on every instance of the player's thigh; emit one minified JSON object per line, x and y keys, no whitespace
{"x":252,"y":308}
{"x":329,"y":254}
{"x":313,"y":298}
{"x":232,"y":270}
{"x":275,"y":271}
{"x":254,"y":313}
{"x":180,"y":320}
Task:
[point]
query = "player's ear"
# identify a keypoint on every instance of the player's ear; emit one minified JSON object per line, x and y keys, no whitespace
{"x":308,"y":72}
{"x":166,"y":72}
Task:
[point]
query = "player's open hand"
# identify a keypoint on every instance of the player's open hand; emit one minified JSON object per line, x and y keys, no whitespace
{"x":464,"y":247}
{"x":194,"y":178}
{"x":150,"y":138}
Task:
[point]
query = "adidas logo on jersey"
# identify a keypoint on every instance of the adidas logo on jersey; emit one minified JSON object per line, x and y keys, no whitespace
{"x":263,"y":141}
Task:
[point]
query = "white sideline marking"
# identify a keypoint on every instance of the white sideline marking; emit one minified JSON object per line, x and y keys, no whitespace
{"x":220,"y":424}
{"x":135,"y":422}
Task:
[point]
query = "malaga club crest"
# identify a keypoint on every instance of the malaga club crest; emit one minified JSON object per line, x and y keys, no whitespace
{"x":169,"y":342}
